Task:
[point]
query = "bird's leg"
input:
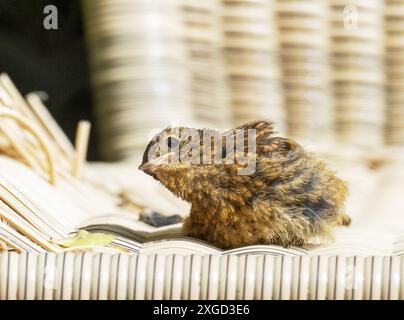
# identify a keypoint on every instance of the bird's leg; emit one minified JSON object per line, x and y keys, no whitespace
{"x":192,"y":228}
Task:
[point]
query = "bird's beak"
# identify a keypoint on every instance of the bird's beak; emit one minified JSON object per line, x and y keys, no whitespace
{"x":151,"y":166}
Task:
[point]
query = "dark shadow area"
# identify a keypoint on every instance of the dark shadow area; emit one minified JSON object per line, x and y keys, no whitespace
{"x":53,"y":61}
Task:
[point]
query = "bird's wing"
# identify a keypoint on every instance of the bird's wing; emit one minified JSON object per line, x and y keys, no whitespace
{"x":263,"y":129}
{"x":270,"y":145}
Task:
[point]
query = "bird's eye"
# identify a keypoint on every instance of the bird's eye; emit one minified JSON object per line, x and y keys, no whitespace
{"x":172,"y":142}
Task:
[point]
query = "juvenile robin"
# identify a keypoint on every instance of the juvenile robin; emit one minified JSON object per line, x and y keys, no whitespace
{"x":247,"y":186}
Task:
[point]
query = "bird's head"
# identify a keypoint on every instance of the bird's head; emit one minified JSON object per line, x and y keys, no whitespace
{"x":188,"y":161}
{"x":171,"y":150}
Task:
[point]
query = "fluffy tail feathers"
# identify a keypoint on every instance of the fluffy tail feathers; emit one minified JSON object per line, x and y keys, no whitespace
{"x":344,"y":220}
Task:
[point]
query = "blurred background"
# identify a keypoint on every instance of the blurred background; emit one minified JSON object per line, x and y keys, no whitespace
{"x":329,"y":73}
{"x":317,"y":68}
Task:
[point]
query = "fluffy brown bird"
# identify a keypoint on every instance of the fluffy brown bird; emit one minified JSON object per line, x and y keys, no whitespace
{"x":247,"y":186}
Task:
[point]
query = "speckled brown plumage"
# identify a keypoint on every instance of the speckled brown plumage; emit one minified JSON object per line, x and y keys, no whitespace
{"x":291,"y":197}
